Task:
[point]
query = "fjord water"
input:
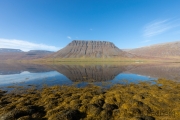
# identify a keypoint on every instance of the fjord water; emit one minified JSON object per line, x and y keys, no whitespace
{"x":82,"y":74}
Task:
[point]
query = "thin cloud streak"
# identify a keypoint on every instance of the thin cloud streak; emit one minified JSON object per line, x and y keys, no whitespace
{"x":25,"y":45}
{"x":157,"y":27}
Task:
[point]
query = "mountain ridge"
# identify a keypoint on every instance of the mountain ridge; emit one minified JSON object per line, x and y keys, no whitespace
{"x":168,"y":49}
{"x":17,"y":54}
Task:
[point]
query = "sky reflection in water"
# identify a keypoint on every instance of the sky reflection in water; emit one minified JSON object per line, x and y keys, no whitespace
{"x":82,"y":75}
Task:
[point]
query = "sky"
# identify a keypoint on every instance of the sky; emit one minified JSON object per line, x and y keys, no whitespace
{"x":52,"y":24}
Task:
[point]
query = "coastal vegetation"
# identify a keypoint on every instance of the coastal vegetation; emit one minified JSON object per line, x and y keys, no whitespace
{"x":143,"y":101}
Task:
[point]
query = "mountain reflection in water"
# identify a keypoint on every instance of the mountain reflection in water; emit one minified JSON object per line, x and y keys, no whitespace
{"x":90,"y":73}
{"x":84,"y":73}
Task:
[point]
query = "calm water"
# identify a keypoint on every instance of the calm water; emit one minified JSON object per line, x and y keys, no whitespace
{"x":83,"y":74}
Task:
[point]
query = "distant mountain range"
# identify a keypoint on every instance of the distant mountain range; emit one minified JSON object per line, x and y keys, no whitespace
{"x":171,"y":49}
{"x":17,"y":54}
{"x":95,"y":49}
{"x":7,"y":50}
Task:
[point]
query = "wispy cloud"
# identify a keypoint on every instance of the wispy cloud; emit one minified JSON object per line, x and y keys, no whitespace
{"x":91,"y":29}
{"x":25,"y":45}
{"x":69,"y":37}
{"x":158,"y":27}
{"x":145,"y":41}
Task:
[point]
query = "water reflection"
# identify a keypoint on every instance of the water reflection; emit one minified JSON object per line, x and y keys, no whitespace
{"x":17,"y":68}
{"x":90,"y":73}
{"x":162,"y":70}
{"x":11,"y":73}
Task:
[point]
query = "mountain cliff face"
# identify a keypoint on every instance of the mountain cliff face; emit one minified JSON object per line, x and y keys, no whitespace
{"x":171,"y":49}
{"x":93,"y":49}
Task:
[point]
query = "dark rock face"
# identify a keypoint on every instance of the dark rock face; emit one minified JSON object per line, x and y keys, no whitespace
{"x":93,"y":49}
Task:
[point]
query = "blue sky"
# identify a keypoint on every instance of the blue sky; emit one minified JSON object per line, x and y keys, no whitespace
{"x":52,"y":24}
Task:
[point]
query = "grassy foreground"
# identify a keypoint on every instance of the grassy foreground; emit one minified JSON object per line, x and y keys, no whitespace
{"x":142,"y":101}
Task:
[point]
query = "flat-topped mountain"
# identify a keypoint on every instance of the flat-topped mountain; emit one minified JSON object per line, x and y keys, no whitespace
{"x":171,"y":49}
{"x":90,"y":49}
